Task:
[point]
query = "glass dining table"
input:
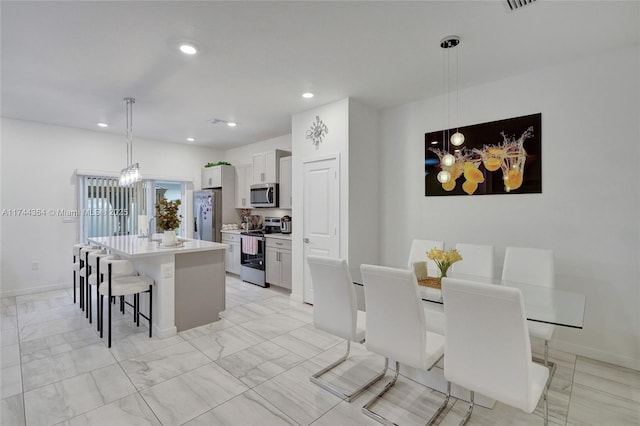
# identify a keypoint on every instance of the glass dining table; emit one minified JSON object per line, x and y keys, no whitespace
{"x":542,"y":304}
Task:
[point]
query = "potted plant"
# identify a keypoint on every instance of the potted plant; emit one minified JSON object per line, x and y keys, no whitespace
{"x":168,"y":220}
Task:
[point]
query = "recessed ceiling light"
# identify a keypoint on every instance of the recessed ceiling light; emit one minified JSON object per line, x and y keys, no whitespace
{"x":103,"y":125}
{"x":307,"y":95}
{"x":188,"y":49}
{"x":232,"y":124}
{"x":191,"y":140}
{"x":434,"y":142}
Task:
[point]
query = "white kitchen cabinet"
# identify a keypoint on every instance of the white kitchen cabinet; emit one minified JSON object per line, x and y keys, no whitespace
{"x":266,"y":166}
{"x":285,"y":201}
{"x":244,"y":178}
{"x":223,"y":177}
{"x":217,"y":177}
{"x":232,"y":261}
{"x":278,"y":262}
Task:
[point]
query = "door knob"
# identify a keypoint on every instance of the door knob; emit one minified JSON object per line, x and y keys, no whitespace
{"x":306,"y":241}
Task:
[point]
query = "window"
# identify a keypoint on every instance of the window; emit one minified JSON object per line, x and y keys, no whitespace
{"x":108,"y":209}
{"x":171,"y":191}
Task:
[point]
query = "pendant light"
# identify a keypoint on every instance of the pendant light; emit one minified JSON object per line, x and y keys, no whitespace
{"x":447,"y":43}
{"x":130,"y":174}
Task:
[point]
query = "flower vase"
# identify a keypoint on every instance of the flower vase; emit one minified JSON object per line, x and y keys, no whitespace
{"x":169,"y":238}
{"x":443,"y":274}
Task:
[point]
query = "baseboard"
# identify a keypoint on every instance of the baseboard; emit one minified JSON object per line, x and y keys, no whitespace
{"x":32,"y":290}
{"x":296,"y":297}
{"x":593,"y":353}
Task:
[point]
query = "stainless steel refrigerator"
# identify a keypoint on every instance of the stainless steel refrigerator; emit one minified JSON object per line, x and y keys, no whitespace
{"x":207,"y":214}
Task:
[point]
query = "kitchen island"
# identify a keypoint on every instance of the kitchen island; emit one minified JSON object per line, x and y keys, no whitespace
{"x":189,"y":288}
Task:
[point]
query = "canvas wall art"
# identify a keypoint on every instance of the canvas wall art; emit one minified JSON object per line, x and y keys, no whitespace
{"x":499,"y":157}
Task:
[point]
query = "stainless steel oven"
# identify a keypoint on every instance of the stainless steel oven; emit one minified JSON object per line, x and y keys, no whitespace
{"x":252,"y":260}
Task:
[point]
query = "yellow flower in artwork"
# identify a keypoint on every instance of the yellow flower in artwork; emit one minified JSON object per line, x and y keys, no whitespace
{"x":513,"y":179}
{"x":472,"y":174}
{"x":450,"y":185}
{"x":469,"y":186}
{"x":492,"y":164}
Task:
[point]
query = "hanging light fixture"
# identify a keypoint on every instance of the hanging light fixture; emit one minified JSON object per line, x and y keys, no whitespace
{"x":447,"y":43}
{"x":130,"y":174}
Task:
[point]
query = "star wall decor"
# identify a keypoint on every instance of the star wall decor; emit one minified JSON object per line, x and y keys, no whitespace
{"x":317,"y":132}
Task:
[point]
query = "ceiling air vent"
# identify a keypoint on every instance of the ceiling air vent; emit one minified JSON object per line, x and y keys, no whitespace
{"x":516,"y":4}
{"x":217,"y":121}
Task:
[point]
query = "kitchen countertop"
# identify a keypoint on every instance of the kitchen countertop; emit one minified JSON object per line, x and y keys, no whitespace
{"x":232,"y":231}
{"x":279,"y":236}
{"x":133,"y":246}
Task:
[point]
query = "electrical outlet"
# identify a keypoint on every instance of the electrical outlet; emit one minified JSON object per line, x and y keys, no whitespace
{"x":167,"y":270}
{"x":35,"y":266}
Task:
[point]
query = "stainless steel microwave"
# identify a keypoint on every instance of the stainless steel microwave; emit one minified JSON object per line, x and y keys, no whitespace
{"x":264,"y":195}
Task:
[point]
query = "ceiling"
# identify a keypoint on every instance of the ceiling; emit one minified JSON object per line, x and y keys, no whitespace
{"x":71,"y":63}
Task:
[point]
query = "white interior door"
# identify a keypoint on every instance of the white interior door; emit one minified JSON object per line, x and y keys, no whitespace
{"x":321,"y":207}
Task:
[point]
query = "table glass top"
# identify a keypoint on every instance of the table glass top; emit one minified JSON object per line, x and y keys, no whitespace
{"x":542,"y":304}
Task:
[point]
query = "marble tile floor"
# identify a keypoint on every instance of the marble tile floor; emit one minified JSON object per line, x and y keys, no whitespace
{"x":252,"y":367}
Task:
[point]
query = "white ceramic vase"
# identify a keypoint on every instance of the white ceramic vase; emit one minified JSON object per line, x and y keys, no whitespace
{"x":169,"y":238}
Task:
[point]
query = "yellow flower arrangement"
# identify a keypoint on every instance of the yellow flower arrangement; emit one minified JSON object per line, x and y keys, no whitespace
{"x":444,"y":259}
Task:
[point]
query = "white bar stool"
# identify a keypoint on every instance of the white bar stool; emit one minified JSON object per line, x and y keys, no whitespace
{"x":83,"y":273}
{"x":77,"y":264}
{"x":95,"y":278}
{"x":121,"y":281}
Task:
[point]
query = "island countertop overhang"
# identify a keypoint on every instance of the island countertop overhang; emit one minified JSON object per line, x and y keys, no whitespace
{"x":135,"y":246}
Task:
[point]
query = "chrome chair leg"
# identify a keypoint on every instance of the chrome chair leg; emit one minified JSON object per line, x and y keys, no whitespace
{"x":377,"y":417}
{"x":442,"y":406}
{"x":337,"y":392}
{"x":367,"y":407}
{"x":550,"y":365}
{"x":465,"y":419}
{"x":546,"y":405}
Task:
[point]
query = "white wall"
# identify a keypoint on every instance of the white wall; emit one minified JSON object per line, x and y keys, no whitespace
{"x":242,"y":155}
{"x":38,"y":165}
{"x":364,"y":187}
{"x":589,"y":207}
{"x":336,"y":142}
{"x":353,"y":137}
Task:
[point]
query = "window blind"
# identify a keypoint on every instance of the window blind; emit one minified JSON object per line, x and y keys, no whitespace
{"x":108,"y":209}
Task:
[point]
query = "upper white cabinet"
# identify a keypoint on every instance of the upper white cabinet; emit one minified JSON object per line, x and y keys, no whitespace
{"x":244,"y":179}
{"x":223,"y":177}
{"x":217,"y":177}
{"x":266,"y":166}
{"x":285,"y":201}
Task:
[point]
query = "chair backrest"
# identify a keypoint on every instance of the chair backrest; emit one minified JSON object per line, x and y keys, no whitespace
{"x":477,"y":259}
{"x":119,"y":267}
{"x":395,"y":315}
{"x":529,"y":266}
{"x":418,"y":253}
{"x":334,"y":298}
{"x":487,"y":348}
{"x":76,"y":248}
{"x":94,"y":257}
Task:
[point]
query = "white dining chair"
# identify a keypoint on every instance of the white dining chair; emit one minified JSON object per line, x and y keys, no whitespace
{"x":487,"y":346}
{"x":396,"y":327}
{"x":335,"y":311}
{"x":532,"y":266}
{"x":477,"y":260}
{"x":418,"y":253}
{"x":122,"y":280}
